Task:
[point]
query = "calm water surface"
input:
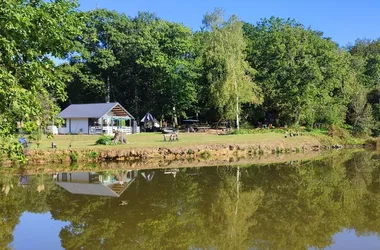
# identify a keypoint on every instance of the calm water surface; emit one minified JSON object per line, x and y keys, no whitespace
{"x":327,"y":204}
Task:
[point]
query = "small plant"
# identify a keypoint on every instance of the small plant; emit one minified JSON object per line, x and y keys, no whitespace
{"x":93,"y":154}
{"x":92,"y":165}
{"x":205,"y":154}
{"x":49,"y":135}
{"x":297,"y":150}
{"x":278,"y":150}
{"x":104,"y":140}
{"x":190,"y":151}
{"x":73,"y":166}
{"x":74,"y":156}
{"x":30,"y":127}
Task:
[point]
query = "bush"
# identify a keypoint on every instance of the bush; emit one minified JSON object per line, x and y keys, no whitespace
{"x":49,"y":135}
{"x":73,"y":157}
{"x":30,"y":127}
{"x":93,"y":154}
{"x":104,"y":140}
{"x":205,"y":154}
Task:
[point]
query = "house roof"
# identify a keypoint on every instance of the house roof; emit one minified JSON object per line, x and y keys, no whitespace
{"x":94,"y":110}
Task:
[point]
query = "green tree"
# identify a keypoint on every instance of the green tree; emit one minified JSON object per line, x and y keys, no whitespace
{"x":145,"y":63}
{"x":304,"y":76}
{"x":228,"y":74}
{"x":366,"y":63}
{"x":32,"y":32}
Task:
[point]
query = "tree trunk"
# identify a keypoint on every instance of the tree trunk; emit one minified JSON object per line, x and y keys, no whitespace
{"x":108,"y":88}
{"x":237,"y":107}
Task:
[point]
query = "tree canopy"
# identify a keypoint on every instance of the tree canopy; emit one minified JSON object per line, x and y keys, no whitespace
{"x":275,"y":71}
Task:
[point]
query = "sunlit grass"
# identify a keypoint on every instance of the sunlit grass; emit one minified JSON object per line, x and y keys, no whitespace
{"x":150,"y":140}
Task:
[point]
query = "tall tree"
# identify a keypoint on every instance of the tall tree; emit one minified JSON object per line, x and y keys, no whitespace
{"x":31,"y":33}
{"x":228,"y":73}
{"x":304,"y":76}
{"x":366,"y":63}
{"x":144,"y":63}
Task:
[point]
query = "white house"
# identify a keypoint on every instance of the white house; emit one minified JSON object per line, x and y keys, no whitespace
{"x":97,"y":118}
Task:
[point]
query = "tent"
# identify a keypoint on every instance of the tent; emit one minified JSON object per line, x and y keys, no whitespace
{"x":148,"y":118}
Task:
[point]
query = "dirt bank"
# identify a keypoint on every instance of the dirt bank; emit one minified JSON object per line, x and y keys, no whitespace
{"x":153,"y":163}
{"x":279,"y":146}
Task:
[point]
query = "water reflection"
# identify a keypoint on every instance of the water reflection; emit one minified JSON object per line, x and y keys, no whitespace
{"x":111,"y":184}
{"x":282,"y":206}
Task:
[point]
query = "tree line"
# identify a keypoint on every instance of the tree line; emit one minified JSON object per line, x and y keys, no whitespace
{"x":276,"y":70}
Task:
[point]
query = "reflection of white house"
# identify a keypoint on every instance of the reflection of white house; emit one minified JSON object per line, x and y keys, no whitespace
{"x":91,"y":183}
{"x":97,"y":118}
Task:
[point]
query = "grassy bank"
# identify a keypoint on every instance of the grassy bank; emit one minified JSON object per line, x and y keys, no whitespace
{"x":83,"y":148}
{"x":154,"y":140}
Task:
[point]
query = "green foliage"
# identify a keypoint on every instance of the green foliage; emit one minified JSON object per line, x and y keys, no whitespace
{"x":49,"y":135}
{"x":73,"y":157}
{"x":31,"y":33}
{"x":104,"y":140}
{"x":205,"y":154}
{"x":305,"y":78}
{"x":276,"y":70}
{"x":229,"y":77}
{"x":366,"y":63}
{"x":93,"y":154}
{"x":30,"y":127}
{"x":144,"y":57}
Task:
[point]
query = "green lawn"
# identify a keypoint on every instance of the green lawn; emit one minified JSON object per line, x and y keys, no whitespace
{"x":155,"y":140}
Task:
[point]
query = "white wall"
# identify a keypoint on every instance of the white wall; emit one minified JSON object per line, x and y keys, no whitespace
{"x":77,"y":124}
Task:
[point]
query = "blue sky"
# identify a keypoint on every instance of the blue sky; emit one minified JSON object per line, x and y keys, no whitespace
{"x":343,"y":21}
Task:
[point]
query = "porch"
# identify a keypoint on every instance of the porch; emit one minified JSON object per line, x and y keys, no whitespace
{"x":108,"y":130}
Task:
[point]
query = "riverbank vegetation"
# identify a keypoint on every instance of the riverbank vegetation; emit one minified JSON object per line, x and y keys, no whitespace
{"x":275,"y":71}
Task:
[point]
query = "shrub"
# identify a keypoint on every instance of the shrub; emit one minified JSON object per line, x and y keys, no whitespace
{"x":49,"y":135}
{"x":74,"y":156}
{"x":104,"y":140}
{"x":205,"y":154}
{"x":93,"y":154}
{"x":30,"y":127}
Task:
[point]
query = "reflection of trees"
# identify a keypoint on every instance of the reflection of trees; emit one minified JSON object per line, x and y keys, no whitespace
{"x":230,"y":218}
{"x":258,"y":207}
{"x":16,"y":199}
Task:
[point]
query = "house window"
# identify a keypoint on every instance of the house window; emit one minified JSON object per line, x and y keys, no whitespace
{"x":93,"y":122}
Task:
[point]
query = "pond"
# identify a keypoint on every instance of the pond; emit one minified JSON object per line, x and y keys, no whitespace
{"x":331,"y":203}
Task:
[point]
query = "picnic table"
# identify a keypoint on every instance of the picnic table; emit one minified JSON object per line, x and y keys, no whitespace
{"x":203,"y":128}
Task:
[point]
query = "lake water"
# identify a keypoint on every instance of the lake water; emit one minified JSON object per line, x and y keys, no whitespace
{"x":332,"y":203}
